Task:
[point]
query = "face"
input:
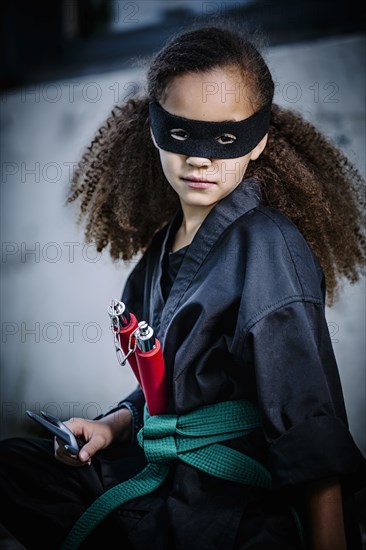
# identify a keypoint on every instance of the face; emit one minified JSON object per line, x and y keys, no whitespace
{"x":202,"y":182}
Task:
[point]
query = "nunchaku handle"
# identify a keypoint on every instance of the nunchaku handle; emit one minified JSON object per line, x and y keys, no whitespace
{"x":153,"y":378}
{"x":144,"y":354}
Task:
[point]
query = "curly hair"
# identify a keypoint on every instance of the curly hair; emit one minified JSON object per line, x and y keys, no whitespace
{"x":300,"y":171}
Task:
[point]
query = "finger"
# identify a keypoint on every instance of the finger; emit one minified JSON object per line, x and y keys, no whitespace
{"x":61,"y":453}
{"x":77,"y":426}
{"x":63,"y":456}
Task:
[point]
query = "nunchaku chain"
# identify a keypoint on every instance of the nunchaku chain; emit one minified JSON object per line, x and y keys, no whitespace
{"x":135,"y":341}
{"x":131,"y":348}
{"x":115,"y":310}
{"x":141,"y":337}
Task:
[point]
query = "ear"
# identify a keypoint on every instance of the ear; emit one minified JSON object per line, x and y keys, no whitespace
{"x":153,"y":139}
{"x":258,"y":149}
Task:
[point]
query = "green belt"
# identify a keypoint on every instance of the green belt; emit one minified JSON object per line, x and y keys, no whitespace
{"x":192,"y":438}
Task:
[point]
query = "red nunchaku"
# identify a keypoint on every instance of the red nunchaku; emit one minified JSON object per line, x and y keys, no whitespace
{"x":135,"y":341}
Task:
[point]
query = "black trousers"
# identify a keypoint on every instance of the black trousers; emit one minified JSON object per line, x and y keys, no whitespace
{"x":42,"y":499}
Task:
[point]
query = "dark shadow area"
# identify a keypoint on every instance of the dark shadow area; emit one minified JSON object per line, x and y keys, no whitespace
{"x":60,"y":39}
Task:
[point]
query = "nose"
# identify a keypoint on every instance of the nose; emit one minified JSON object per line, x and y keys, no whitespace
{"x":198,"y":161}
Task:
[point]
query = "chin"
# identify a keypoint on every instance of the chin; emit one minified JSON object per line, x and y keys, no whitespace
{"x":200,"y":203}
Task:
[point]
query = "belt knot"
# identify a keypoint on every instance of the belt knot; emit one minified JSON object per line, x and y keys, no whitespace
{"x":157,"y":438}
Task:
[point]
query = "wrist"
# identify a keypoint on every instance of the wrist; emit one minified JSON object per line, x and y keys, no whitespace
{"x":136,"y":420}
{"x":119,"y":423}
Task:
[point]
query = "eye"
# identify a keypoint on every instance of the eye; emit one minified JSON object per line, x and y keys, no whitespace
{"x":179,"y":134}
{"x":225,"y":139}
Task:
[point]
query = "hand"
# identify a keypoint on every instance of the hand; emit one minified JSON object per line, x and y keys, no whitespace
{"x":97,"y":434}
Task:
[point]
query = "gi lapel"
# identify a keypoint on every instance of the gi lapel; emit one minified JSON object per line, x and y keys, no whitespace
{"x":244,"y":198}
{"x":157,"y":302}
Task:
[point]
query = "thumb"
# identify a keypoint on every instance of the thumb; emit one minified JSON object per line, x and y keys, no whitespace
{"x":90,"y":448}
{"x":84,"y":455}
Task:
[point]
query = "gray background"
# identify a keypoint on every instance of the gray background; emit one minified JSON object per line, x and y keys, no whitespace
{"x":57,"y":352}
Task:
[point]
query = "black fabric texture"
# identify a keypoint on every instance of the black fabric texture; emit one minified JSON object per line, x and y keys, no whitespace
{"x":202,"y":135}
{"x":244,"y":318}
{"x":172,"y":263}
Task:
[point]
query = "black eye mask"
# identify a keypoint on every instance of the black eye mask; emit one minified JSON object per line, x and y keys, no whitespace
{"x":201,"y":138}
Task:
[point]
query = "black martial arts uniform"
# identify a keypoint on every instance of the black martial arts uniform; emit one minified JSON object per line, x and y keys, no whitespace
{"x":240,"y":315}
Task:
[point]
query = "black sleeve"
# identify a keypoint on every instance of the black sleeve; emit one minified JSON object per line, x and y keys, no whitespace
{"x":300,"y":397}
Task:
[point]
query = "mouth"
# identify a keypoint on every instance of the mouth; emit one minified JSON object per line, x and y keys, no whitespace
{"x":197,"y":183}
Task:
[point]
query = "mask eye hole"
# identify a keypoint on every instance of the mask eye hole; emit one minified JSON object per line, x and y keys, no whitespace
{"x":179,"y":134}
{"x":226,"y":139}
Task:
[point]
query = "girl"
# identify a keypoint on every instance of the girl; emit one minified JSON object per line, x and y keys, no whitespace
{"x":244,"y":212}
